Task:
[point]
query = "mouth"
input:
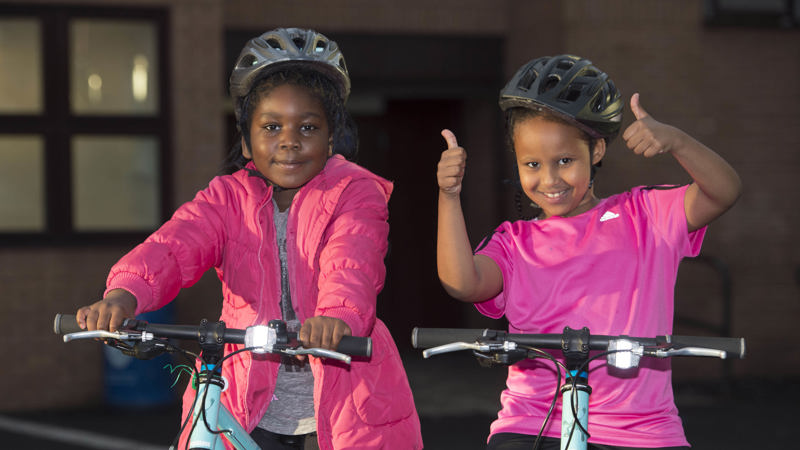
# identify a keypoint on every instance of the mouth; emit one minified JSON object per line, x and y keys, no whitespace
{"x":555,"y":196}
{"x":288,"y":164}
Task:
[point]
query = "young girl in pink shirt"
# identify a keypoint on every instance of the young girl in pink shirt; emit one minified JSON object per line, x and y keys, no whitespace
{"x":608,"y":264}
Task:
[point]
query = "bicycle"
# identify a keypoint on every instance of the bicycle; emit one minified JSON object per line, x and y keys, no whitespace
{"x":212,"y":419}
{"x":494,"y":347}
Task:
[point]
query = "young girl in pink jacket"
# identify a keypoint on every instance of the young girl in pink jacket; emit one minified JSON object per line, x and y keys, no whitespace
{"x":296,"y":232}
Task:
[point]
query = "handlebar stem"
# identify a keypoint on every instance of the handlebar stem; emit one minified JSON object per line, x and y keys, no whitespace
{"x":575,"y":346}
{"x":211,"y":336}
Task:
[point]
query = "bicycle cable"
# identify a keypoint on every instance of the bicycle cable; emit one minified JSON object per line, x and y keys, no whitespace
{"x":202,"y":412}
{"x":573,"y":404}
{"x":558,"y":365}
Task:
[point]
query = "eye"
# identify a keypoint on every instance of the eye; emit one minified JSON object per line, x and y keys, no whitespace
{"x":271,"y":127}
{"x":564,"y":161}
{"x":308,"y":127}
{"x":532,"y":164}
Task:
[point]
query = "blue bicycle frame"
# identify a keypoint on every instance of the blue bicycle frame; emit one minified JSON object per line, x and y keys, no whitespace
{"x":575,"y":408}
{"x":213,"y":412}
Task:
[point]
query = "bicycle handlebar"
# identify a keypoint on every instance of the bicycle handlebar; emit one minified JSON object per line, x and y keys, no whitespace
{"x":134,"y":329}
{"x":659,"y":346}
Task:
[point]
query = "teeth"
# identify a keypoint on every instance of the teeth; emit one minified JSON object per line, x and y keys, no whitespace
{"x":556,"y":195}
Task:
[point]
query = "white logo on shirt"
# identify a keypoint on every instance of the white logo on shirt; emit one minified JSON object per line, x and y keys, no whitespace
{"x":608,"y":215}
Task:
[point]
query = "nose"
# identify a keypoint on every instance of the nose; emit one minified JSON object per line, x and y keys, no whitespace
{"x":550,"y":176}
{"x":290,"y":139}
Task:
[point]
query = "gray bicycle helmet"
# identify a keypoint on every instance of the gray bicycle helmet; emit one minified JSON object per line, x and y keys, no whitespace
{"x":573,"y":88}
{"x":283,"y":47}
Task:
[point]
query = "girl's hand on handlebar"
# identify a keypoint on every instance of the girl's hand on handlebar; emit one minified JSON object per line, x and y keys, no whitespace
{"x":323,"y":332}
{"x":108,"y":313}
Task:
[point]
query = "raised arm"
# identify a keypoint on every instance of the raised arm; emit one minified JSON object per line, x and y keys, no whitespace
{"x":466,"y":277}
{"x":716,"y":185}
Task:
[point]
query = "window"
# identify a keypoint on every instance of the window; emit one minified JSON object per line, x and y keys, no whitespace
{"x":83,"y":124}
{"x":753,"y":13}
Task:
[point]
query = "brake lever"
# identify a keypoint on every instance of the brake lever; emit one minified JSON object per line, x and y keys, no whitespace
{"x":103,"y":334}
{"x":476,"y":346}
{"x":96,"y":334}
{"x":688,"y":351}
{"x":320,"y":352}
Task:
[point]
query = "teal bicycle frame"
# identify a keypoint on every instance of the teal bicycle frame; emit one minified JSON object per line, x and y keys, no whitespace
{"x":576,"y":397}
{"x":217,"y":416}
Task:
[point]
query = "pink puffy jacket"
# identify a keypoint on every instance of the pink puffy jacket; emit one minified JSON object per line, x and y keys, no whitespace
{"x":336,"y":241}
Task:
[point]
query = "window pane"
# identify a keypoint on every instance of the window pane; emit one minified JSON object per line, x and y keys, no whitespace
{"x":20,"y":67}
{"x":113,"y":67}
{"x":752,"y":5}
{"x":21,"y":183}
{"x":115,"y":183}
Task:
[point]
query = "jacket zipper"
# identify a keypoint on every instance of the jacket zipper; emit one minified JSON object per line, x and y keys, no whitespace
{"x":260,"y":226}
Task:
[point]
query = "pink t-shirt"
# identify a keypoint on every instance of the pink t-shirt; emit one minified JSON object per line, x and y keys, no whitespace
{"x":611,"y":269}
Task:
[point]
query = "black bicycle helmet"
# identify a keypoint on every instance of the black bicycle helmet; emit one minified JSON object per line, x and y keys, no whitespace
{"x":282,"y":47}
{"x":571,"y":87}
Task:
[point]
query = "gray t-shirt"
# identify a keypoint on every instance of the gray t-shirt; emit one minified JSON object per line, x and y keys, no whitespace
{"x":291,"y":410}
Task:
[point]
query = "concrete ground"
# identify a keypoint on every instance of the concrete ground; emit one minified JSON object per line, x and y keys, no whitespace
{"x":457,"y":400}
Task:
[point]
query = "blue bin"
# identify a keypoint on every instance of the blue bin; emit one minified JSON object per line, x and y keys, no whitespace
{"x":130,"y":382}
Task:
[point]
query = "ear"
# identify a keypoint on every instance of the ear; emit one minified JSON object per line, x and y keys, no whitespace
{"x":330,"y":147}
{"x":599,"y":151}
{"x":246,"y":151}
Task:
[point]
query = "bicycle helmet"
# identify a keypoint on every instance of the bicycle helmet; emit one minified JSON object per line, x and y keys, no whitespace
{"x":280,"y":48}
{"x":571,"y":87}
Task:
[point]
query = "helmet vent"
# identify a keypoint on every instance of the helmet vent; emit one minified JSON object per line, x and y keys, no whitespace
{"x":597,"y":104}
{"x":551,"y":82}
{"x":274,"y":43}
{"x":248,"y":60}
{"x":573,"y":93}
{"x":299,"y":42}
{"x":527,"y":80}
{"x":565,"y":64}
{"x":320,"y":47}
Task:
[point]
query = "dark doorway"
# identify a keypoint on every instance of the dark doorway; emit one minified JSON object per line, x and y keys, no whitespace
{"x":403,"y":145}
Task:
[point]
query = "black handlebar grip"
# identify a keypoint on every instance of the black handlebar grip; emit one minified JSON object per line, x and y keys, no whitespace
{"x":66,"y":323}
{"x":355,"y":346}
{"x":434,"y":337}
{"x":734,"y":347}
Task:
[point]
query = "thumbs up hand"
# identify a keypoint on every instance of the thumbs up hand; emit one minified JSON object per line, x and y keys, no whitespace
{"x":647,"y":136}
{"x":450,"y":171}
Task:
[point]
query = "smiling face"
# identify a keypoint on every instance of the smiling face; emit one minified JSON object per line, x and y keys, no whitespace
{"x":290,"y":140}
{"x":554,"y":164}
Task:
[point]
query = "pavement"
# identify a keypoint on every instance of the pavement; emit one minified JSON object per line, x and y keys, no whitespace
{"x":457,"y":400}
